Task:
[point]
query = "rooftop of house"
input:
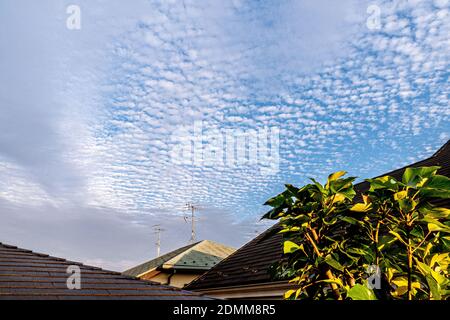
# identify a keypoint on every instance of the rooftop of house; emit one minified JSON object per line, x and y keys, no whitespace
{"x":199,"y":256}
{"x":249,"y":265}
{"x":25,"y":274}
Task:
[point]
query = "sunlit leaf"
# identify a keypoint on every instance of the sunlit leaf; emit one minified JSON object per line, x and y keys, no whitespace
{"x":434,"y":288}
{"x":435,"y":225}
{"x":395,"y":234}
{"x":437,"y":213}
{"x":361,"y":207}
{"x":386,"y":182}
{"x":290,"y":247}
{"x":400,"y":195}
{"x":276,"y":201}
{"x":336,"y":175}
{"x":333,"y":263}
{"x":412,"y":176}
{"x":361,"y":292}
{"x":289,"y":293}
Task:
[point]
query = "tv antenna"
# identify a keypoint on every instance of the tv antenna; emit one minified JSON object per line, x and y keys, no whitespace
{"x":192,"y":208}
{"x":157,"y":230}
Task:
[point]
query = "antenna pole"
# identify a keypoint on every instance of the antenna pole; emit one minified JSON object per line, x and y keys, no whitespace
{"x":193,"y":225}
{"x":158,"y":230}
{"x":193,"y":235}
{"x":158,"y":244}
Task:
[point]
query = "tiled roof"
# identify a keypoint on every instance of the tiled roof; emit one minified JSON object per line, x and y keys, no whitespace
{"x":25,"y":274}
{"x":198,"y":256}
{"x":250,"y":264}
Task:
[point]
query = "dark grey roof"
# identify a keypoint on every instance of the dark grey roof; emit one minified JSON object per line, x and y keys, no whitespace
{"x":25,"y":274}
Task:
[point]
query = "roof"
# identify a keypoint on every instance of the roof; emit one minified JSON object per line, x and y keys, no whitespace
{"x":25,"y":274}
{"x":250,"y":264}
{"x":201,"y":256}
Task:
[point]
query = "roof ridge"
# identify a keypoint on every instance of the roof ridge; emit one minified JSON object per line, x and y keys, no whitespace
{"x":196,"y":245}
{"x":442,"y":148}
{"x":412,"y":165}
{"x":127,"y":271}
{"x":89,"y":267}
{"x":184,"y":252}
{"x":44,"y":255}
{"x":216,"y":243}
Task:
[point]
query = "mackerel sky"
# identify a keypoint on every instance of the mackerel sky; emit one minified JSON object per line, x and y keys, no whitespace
{"x":89,"y":117}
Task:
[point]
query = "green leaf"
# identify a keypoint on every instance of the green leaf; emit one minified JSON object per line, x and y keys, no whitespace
{"x":342,"y":185}
{"x":413,"y":176}
{"x":436,"y":213}
{"x":435,"y":225}
{"x":400,"y":195}
{"x":435,"y":288}
{"x":348,"y":193}
{"x":289,"y":293}
{"x":293,"y":190}
{"x":361,"y":292}
{"x":290,"y":247}
{"x":385,"y":242}
{"x":291,"y":229}
{"x":407,"y":204}
{"x":439,"y":182}
{"x":434,"y":193}
{"x":350,"y":220}
{"x":357,"y":251}
{"x":275,"y":213}
{"x":395,"y":234}
{"x":386,"y":182}
{"x":336,"y":175}
{"x":318,"y":186}
{"x":361,"y":207}
{"x":333,"y":263}
{"x":426,"y":270}
{"x":276,"y":201}
{"x":336,"y":281}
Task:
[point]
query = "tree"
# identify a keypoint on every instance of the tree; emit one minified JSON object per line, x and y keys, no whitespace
{"x":394,"y":238}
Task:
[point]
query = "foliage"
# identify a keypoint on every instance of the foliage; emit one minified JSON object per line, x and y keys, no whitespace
{"x":330,"y":242}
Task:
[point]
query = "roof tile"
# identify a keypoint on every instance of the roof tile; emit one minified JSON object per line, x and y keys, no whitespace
{"x":28,"y":275}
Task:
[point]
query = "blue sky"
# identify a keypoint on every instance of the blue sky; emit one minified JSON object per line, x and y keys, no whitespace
{"x":88,"y":116}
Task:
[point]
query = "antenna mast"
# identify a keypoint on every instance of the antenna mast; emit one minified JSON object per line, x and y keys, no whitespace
{"x":158,"y":231}
{"x":191,"y":207}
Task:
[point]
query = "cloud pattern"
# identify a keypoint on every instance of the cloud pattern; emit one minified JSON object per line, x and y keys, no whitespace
{"x":343,"y":96}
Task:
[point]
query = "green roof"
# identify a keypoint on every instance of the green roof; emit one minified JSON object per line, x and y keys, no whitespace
{"x":197,"y":256}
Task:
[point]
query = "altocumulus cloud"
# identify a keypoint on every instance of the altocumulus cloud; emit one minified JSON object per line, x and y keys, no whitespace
{"x":87,"y":116}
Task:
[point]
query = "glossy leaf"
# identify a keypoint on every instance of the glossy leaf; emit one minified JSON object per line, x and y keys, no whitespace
{"x":333,"y":263}
{"x":361,"y":292}
{"x":290,"y":247}
{"x":361,"y":207}
{"x":412,"y":176}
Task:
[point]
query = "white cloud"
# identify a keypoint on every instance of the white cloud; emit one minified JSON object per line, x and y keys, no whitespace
{"x":93,"y":130}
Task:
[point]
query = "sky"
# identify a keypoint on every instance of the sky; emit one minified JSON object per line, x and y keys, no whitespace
{"x":114,"y":118}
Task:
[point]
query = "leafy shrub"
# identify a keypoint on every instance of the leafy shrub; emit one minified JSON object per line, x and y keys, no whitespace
{"x":390,"y":244}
